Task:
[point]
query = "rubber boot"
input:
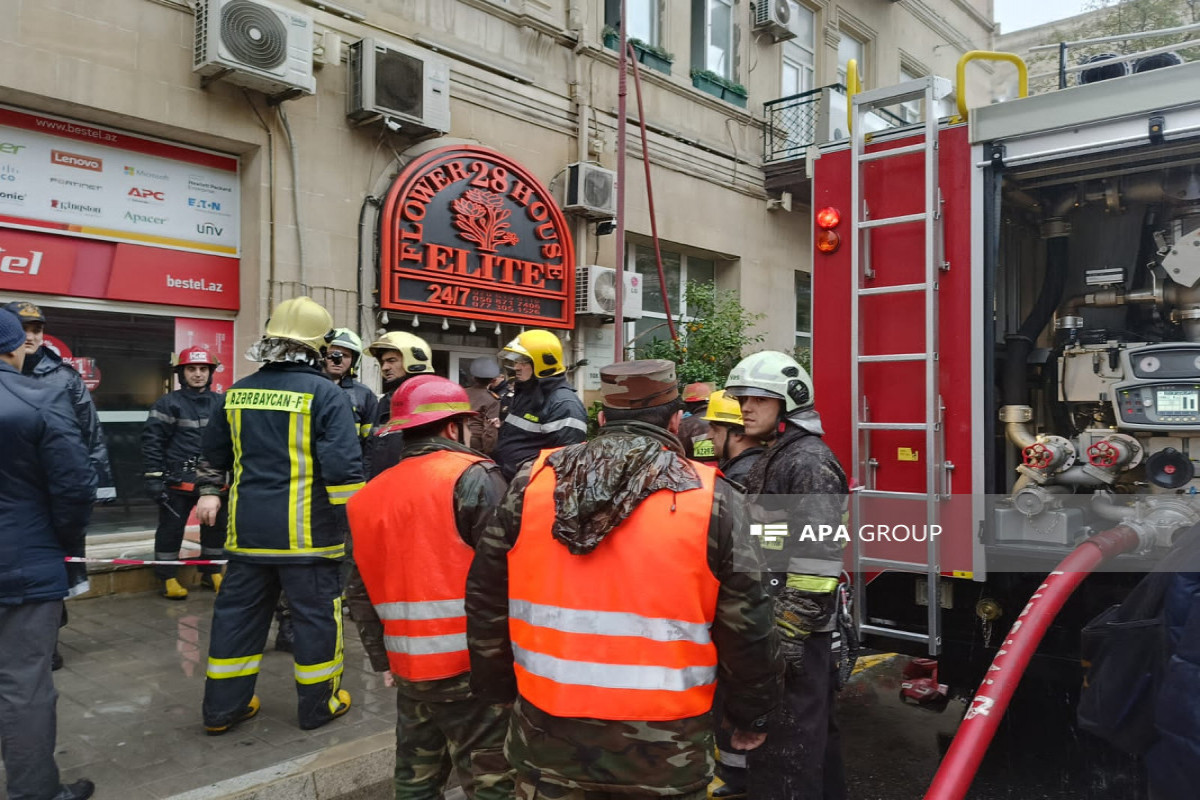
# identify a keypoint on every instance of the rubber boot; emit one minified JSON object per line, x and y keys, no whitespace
{"x":286,"y":636}
{"x":251,"y":710}
{"x":173,"y":589}
{"x":339,"y":704}
{"x":730,"y":783}
{"x":212,"y":580}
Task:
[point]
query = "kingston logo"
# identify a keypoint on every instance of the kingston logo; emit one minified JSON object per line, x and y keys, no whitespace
{"x":75,"y":160}
{"x":67,"y":205}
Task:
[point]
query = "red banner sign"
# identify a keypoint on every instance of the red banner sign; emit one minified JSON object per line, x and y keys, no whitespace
{"x":39,"y":263}
{"x":470,"y":233}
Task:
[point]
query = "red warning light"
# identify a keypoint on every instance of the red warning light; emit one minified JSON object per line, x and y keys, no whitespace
{"x":828,"y":241}
{"x":828,"y":218}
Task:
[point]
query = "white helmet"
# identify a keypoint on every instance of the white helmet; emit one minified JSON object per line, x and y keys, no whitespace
{"x":772,"y":374}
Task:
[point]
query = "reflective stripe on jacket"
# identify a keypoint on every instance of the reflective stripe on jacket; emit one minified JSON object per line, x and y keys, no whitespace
{"x":414,"y":563}
{"x":621,"y":632}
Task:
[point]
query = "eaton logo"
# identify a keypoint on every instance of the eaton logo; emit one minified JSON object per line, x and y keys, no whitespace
{"x":204,"y":205}
{"x":147,"y":194}
{"x":208,"y":229}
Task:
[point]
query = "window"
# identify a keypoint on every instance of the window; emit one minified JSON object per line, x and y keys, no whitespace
{"x":803,"y":309}
{"x":911,"y":111}
{"x":849,"y":48}
{"x":643,"y":22}
{"x":678,"y":269}
{"x":713,"y":35}
{"x":799,"y":54}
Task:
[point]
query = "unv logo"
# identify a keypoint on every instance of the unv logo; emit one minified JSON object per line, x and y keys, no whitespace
{"x":147,"y":194}
{"x":21,"y":265}
{"x":208,"y":229}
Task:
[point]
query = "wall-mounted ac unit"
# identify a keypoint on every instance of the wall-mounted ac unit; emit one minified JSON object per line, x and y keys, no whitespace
{"x":596,"y":293}
{"x":255,"y":44}
{"x":774,"y":17}
{"x":591,"y":191}
{"x":406,"y":85}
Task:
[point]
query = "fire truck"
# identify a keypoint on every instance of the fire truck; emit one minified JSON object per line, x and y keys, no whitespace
{"x":1006,"y":328}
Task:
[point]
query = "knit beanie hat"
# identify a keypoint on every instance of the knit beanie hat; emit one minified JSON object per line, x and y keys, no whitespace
{"x":12,"y":333}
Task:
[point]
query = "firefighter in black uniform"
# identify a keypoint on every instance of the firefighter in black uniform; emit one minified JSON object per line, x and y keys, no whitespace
{"x":170,"y":449}
{"x":287,"y":433}
{"x":341,"y":365}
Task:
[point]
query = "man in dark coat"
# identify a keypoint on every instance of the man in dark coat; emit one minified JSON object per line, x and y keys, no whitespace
{"x":48,"y":488}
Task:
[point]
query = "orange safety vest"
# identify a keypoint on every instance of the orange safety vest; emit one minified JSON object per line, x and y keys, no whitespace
{"x":622,"y":632}
{"x":414,"y":563}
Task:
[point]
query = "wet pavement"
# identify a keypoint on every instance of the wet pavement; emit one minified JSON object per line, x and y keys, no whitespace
{"x":129,"y":705}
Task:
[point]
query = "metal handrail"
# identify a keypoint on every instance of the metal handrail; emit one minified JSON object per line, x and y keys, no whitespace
{"x":988,"y":55}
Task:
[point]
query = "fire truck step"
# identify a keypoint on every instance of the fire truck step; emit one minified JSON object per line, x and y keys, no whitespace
{"x":893,"y":426}
{"x":889,"y":563}
{"x":910,"y":636}
{"x":896,"y":288}
{"x":879,"y":493}
{"x":900,"y":220}
{"x":893,"y":357}
{"x":895,"y":151}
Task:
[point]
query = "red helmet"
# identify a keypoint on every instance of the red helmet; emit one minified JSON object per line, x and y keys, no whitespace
{"x":197,"y":354}
{"x":697,"y":392}
{"x":423,"y":399}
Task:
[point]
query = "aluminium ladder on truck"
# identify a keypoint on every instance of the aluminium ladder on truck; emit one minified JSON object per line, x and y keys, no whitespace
{"x":867,"y":282}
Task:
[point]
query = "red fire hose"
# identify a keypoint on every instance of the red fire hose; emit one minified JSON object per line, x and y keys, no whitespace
{"x":979,"y":725}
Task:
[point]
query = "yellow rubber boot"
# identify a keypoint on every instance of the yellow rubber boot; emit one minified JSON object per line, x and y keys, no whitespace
{"x":173,"y":589}
{"x":251,"y":710}
{"x":340,"y":703}
{"x":213,"y":581}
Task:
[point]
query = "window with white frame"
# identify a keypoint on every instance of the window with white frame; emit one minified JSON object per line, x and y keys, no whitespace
{"x":678,"y":269}
{"x":849,"y":48}
{"x":716,"y":29}
{"x":799,"y":54}
{"x":803,"y":309}
{"x":642,"y":22}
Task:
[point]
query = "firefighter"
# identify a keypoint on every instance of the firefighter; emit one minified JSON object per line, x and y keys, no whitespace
{"x":736,"y":451}
{"x":604,"y":564}
{"x":409,"y":602}
{"x":401,"y":356}
{"x":544,"y":411}
{"x":288,"y":436}
{"x":483,"y":428}
{"x":341,"y":365}
{"x":694,"y":431}
{"x":803,"y":758}
{"x":170,"y":451}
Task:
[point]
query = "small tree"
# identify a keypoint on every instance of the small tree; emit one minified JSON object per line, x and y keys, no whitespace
{"x":712,"y":342}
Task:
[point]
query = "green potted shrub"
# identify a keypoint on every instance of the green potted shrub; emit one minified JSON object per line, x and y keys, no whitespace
{"x":651,"y":55}
{"x":708,"y":81}
{"x":611,"y":37}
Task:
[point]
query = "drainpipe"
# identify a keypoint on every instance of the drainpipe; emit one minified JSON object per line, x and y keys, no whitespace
{"x":583,"y":110}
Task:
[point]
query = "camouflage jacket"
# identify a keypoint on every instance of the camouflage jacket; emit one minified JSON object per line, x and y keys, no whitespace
{"x":477,"y":492}
{"x":657,"y":758}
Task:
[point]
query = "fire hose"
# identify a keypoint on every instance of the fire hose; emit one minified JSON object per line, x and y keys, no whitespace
{"x":979,"y":725}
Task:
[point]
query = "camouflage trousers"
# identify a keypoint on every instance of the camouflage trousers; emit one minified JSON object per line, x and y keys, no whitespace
{"x":466,"y":736}
{"x":531,"y":789}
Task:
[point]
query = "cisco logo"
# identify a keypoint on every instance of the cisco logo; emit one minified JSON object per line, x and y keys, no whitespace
{"x":9,"y":173}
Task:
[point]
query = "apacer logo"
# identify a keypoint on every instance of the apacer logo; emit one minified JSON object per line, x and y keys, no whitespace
{"x":147,"y":194}
{"x":21,"y":265}
{"x":199,"y":284}
{"x":208,"y":229}
{"x":145,"y":218}
{"x":75,"y":160}
{"x":67,"y":205}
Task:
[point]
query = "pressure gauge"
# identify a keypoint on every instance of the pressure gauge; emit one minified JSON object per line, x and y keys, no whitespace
{"x":1150,"y":364}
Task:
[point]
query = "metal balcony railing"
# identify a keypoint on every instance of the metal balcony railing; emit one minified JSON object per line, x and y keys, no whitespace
{"x":814,"y":117}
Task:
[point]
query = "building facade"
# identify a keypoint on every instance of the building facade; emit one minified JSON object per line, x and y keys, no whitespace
{"x":147,"y":205}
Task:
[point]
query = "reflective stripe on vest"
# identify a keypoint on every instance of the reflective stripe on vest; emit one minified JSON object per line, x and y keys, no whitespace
{"x":414,"y":563}
{"x":584,"y":643}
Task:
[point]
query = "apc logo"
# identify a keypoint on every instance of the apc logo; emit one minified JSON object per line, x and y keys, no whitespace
{"x":208,"y":229}
{"x":75,"y":160}
{"x":21,"y":265}
{"x":147,"y":194}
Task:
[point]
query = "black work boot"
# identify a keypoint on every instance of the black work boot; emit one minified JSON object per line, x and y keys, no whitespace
{"x":733,"y":783}
{"x":285,"y":636}
{"x":56,"y":660}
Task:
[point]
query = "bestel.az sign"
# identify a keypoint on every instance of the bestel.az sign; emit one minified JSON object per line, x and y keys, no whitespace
{"x":470,"y":233}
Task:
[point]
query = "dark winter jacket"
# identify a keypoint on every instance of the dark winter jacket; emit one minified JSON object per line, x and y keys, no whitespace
{"x":597,"y":485}
{"x":542,"y":414}
{"x":48,"y":485}
{"x":174,"y":433}
{"x":737,"y":469}
{"x":1173,"y":762}
{"x":288,"y":435}
{"x":46,"y":365}
{"x":363,"y":402}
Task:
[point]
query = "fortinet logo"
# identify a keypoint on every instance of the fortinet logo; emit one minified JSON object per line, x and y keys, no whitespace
{"x":75,"y":160}
{"x":22,"y":265}
{"x":144,"y":218}
{"x":193,"y":283}
{"x":94,"y":187}
{"x":147,"y":194}
{"x":67,"y":205}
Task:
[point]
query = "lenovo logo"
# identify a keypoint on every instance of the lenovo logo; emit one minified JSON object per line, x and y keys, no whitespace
{"x":76,"y":160}
{"x":21,"y":265}
{"x":147,"y":194}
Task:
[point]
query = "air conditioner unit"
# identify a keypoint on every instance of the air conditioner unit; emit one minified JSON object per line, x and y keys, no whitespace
{"x":591,"y":191}
{"x":596,"y":293}
{"x":406,"y":85}
{"x":774,"y":17}
{"x":255,"y":44}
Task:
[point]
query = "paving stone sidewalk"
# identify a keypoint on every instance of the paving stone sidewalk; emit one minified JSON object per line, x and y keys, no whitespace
{"x":129,"y":712}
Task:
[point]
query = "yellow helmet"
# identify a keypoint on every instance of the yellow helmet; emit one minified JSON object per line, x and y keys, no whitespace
{"x":414,"y":351}
{"x":539,"y":346}
{"x":723,"y":409}
{"x":301,"y":319}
